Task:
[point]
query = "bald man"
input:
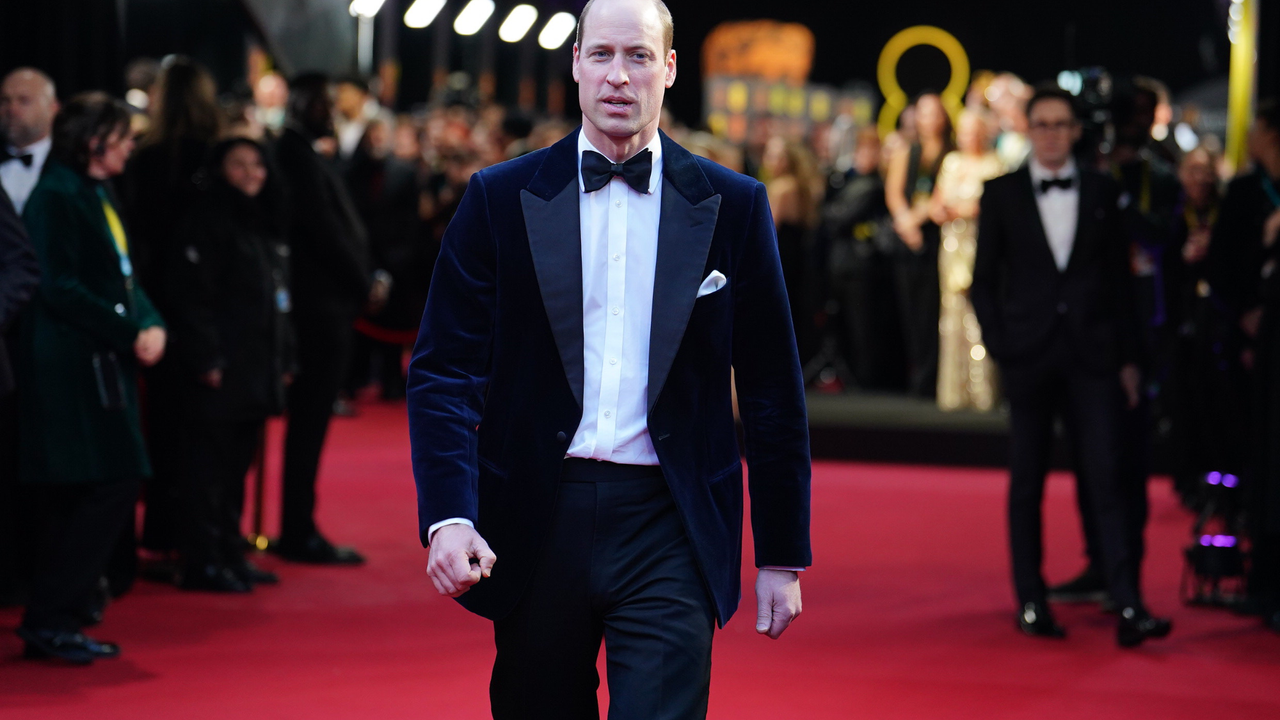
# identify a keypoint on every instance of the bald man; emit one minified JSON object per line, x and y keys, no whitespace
{"x":28,"y":104}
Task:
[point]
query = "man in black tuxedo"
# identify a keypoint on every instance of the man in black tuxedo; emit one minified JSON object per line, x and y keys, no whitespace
{"x":1052,"y":291}
{"x":330,"y":283}
{"x":570,"y":409}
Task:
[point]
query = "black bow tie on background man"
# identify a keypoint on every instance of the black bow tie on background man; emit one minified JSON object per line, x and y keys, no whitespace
{"x":6,"y":156}
{"x":1063,"y":183}
{"x":597,"y":171}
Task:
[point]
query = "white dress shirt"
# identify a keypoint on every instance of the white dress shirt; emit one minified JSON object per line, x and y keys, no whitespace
{"x":619,"y":252}
{"x":1058,"y":209}
{"x":18,"y":179}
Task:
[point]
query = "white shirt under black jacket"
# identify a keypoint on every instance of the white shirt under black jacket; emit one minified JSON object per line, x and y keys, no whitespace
{"x":17,"y":178}
{"x":619,"y":230}
{"x":1058,"y":208}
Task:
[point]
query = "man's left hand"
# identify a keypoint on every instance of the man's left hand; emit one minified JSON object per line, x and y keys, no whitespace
{"x":777,"y":601}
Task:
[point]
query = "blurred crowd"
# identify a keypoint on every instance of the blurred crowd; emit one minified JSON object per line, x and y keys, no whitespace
{"x":270,"y":253}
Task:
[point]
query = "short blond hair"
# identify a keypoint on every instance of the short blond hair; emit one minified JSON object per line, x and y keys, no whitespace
{"x":664,"y":16}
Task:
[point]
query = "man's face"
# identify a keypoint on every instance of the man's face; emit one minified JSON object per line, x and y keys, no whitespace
{"x":1052,"y":130}
{"x":620,"y":67}
{"x":27,"y":108}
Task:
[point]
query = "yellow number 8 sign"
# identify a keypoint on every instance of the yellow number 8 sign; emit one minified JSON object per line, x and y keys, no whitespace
{"x":895,"y":100}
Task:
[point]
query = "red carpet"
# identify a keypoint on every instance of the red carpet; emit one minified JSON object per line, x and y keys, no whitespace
{"x":908,"y":614}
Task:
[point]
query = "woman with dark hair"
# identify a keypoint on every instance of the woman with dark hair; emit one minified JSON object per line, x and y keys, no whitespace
{"x":908,"y":192}
{"x":80,"y":344}
{"x":161,"y":185}
{"x":233,"y":354}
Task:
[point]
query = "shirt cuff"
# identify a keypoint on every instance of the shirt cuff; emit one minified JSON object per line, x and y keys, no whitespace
{"x":772,"y":567}
{"x":431,"y":531}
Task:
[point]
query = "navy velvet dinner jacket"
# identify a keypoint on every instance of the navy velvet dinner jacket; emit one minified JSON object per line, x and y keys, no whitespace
{"x":496,"y":381}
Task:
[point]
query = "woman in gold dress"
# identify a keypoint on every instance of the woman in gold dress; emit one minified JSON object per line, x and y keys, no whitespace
{"x":966,"y":375}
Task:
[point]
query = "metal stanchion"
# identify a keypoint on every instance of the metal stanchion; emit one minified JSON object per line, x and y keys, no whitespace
{"x":256,"y":537}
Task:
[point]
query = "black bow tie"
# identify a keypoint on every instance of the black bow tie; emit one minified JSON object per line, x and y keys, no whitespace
{"x":1063,"y":183}
{"x":6,"y":156}
{"x":597,"y":171}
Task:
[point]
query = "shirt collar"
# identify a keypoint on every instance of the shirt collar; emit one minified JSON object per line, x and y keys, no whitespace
{"x":654,"y":146}
{"x":1040,"y":172}
{"x":38,"y":150}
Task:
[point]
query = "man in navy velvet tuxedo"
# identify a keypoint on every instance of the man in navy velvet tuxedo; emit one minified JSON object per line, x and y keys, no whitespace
{"x":574,"y":449}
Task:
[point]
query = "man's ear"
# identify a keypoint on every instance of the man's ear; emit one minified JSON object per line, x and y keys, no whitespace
{"x":671,"y":68}
{"x":575,"y":63}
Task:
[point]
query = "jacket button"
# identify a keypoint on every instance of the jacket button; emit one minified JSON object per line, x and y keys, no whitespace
{"x":561,"y":437}
{"x":1062,"y":308}
{"x":119,"y":308}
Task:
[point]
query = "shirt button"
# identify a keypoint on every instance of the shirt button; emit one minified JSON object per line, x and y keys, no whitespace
{"x":616,"y":256}
{"x":119,"y":308}
{"x":617,"y":310}
{"x":561,"y":437}
{"x":617,"y":203}
{"x":608,"y":413}
{"x":613,"y":361}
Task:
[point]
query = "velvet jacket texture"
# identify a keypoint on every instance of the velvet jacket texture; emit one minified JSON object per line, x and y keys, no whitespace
{"x":496,"y":381}
{"x":1021,"y":297}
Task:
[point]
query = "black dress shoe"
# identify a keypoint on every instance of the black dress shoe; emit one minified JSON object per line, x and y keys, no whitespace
{"x":1137,"y":625}
{"x":1087,"y":587}
{"x":73,"y":647}
{"x":1036,"y":621}
{"x":251,"y":574}
{"x":212,"y":578}
{"x":317,"y":551}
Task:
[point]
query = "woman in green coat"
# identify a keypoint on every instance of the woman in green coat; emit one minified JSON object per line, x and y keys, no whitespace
{"x":81,"y":342}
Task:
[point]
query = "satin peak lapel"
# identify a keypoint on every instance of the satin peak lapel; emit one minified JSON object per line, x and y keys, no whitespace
{"x":684,"y":238}
{"x":556,"y":245}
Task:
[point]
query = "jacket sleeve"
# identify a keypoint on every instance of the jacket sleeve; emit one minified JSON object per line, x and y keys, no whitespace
{"x":988,"y":271}
{"x":19,"y":270}
{"x":317,"y":224}
{"x":771,"y":398}
{"x":54,"y":224}
{"x":450,"y":367}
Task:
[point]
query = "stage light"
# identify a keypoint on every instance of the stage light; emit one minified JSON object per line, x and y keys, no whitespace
{"x":1186,"y":137}
{"x":1072,"y":82}
{"x":517,"y":24}
{"x":473,"y":17}
{"x":1213,"y":478}
{"x":1230,"y":481}
{"x":422,"y":12}
{"x":365,"y":8}
{"x":557,"y":30}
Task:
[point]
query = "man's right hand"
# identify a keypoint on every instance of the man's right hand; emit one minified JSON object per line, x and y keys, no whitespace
{"x":449,"y":564}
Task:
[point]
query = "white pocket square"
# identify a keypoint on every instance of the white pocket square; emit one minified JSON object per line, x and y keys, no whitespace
{"x":714,"y":282}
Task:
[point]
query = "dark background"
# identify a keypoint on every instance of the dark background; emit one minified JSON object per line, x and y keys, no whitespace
{"x":85,"y":43}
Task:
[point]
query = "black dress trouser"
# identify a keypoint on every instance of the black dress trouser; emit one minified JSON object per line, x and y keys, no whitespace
{"x":324,"y":346}
{"x":919,"y":304}
{"x":82,"y":522}
{"x":222,"y":450}
{"x":1133,"y":470}
{"x":616,"y":564}
{"x":1039,"y":390}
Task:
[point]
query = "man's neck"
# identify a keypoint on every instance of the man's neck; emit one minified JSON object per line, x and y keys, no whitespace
{"x":28,"y":146}
{"x":618,"y":150}
{"x":1053,"y":167}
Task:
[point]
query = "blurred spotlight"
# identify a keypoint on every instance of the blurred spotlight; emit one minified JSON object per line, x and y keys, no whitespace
{"x":1186,"y":137}
{"x":138,"y":98}
{"x":422,"y":12}
{"x":365,"y":8}
{"x":1072,"y":82}
{"x":473,"y":17}
{"x":557,"y":30}
{"x":518,"y":23}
